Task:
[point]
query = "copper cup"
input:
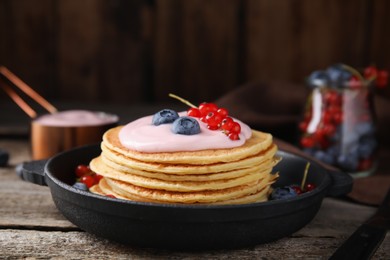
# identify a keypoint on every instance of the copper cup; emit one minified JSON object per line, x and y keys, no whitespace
{"x":48,"y":140}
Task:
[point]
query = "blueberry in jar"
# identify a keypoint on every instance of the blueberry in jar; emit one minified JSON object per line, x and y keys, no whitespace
{"x":338,"y":75}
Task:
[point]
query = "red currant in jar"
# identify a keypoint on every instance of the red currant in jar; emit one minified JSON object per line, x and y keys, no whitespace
{"x":307,"y":142}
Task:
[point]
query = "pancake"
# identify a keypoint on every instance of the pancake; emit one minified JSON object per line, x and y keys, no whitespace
{"x":247,"y":162}
{"x":258,"y":142}
{"x":207,"y":196}
{"x":110,"y":169}
{"x":236,"y":175}
{"x":183,"y":186}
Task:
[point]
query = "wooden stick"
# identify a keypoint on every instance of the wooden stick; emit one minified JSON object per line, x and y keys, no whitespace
{"x":27,"y":89}
{"x":19,"y":101}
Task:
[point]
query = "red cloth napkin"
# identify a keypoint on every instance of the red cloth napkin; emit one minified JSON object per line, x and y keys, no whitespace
{"x":276,"y":107}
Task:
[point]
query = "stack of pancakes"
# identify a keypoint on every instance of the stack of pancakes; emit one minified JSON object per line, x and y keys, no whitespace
{"x":218,"y":176}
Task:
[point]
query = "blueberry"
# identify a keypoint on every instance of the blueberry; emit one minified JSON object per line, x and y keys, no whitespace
{"x":324,"y":157}
{"x":186,"y":126}
{"x":365,"y":128}
{"x":4,"y":157}
{"x":318,"y":78}
{"x":338,"y":75}
{"x":80,"y":186}
{"x":165,"y":116}
{"x":310,"y":151}
{"x":367,"y":146}
{"x":348,"y":162}
{"x":283,"y":193}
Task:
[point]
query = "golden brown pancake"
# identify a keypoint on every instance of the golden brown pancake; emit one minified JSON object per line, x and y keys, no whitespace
{"x":215,"y":176}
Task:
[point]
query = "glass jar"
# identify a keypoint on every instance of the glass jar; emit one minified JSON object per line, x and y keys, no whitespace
{"x":338,"y":126}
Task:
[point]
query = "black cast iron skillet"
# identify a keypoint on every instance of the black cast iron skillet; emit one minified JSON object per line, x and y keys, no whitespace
{"x":185,"y":226}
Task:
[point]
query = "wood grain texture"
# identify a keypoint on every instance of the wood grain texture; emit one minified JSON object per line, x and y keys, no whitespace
{"x":132,"y":51}
{"x":196,"y":48}
{"x":28,"y":42}
{"x":289,"y":39}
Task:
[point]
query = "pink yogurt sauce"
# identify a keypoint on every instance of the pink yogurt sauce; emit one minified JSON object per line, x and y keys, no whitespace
{"x":74,"y":118}
{"x":141,"y":135}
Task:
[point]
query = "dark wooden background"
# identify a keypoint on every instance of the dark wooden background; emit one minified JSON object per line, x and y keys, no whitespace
{"x":140,"y":50}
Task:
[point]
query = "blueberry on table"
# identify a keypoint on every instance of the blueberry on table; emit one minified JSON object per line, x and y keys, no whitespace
{"x":283,"y":193}
{"x":165,"y":116}
{"x":4,"y":157}
{"x":186,"y":126}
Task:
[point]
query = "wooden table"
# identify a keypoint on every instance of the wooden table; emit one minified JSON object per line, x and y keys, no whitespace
{"x":31,"y":227}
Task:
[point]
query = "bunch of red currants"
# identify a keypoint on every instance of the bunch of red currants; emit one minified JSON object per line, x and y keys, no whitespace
{"x":216,"y":119}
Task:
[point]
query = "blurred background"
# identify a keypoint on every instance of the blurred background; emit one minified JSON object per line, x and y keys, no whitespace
{"x":139,"y":51}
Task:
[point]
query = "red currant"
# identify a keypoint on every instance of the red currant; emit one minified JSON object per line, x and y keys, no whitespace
{"x":297,"y":189}
{"x":310,"y":187}
{"x":236,"y":128}
{"x":307,"y":142}
{"x":82,"y":170}
{"x":329,"y":129}
{"x":98,"y":177}
{"x":370,"y":72}
{"x":222,"y":112}
{"x":233,"y":136}
{"x":88,"y":180}
{"x":382,"y":80}
{"x":205,"y":108}
{"x":365,"y":164}
{"x":303,"y":126}
{"x":355,"y":82}
{"x":194,"y":112}
{"x":227,"y":123}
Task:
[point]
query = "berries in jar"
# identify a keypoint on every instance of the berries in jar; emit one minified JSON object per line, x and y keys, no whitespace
{"x":338,"y":124}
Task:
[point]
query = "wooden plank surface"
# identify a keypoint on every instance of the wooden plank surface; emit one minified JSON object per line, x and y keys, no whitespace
{"x":288,"y":39}
{"x":127,"y":51}
{"x":196,"y":48}
{"x":31,"y":226}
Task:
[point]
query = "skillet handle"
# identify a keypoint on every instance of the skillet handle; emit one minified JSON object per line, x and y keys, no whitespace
{"x":33,"y":171}
{"x":341,"y":183}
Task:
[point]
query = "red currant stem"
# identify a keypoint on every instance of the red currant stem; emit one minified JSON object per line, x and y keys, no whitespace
{"x":182,"y":100}
{"x":354,"y":72}
{"x":305,"y":176}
